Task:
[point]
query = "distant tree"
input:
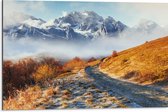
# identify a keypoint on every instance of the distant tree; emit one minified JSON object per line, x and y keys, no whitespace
{"x":75,"y":62}
{"x":49,"y":61}
{"x":146,"y":42}
{"x":76,"y":59}
{"x":92,"y":59}
{"x":114,"y":53}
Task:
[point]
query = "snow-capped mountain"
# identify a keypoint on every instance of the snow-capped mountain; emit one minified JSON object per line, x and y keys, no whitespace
{"x":87,"y":20}
{"x":34,"y":22}
{"x":147,"y":26}
{"x":85,"y":25}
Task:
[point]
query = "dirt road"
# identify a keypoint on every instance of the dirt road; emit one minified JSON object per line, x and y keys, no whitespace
{"x":84,"y":92}
{"x":142,"y":95}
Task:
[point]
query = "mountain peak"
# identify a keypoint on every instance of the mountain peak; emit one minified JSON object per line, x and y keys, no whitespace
{"x":74,"y":25}
{"x":147,"y":22}
{"x":35,"y":22}
{"x":110,"y":18}
{"x":146,"y":25}
{"x":89,"y":13}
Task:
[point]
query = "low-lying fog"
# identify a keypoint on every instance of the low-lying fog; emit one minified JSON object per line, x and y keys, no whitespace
{"x":61,"y":50}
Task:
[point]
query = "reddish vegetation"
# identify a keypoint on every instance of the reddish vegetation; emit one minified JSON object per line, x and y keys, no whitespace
{"x":25,"y":72}
{"x":47,"y":69}
{"x":24,"y":81}
{"x":17,"y":75}
{"x":92,"y":59}
{"x":75,"y":63}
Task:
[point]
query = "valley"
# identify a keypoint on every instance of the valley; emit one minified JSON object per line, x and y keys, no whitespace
{"x":133,"y":78}
{"x":84,"y":55}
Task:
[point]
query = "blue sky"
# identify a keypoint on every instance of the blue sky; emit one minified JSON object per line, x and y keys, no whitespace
{"x":55,"y":9}
{"x":128,"y":13}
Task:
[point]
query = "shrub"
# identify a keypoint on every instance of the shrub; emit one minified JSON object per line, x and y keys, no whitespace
{"x":114,"y":54}
{"x":74,"y":63}
{"x":17,"y":75}
{"x":44,"y":72}
{"x":131,"y":74}
{"x":92,"y":59}
{"x":146,"y":42}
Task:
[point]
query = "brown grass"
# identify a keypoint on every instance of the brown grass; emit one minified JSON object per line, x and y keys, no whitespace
{"x":30,"y":98}
{"x":147,"y":63}
{"x":24,"y":100}
{"x":93,"y":63}
{"x":89,"y":101}
{"x":49,"y":92}
{"x":64,"y":105}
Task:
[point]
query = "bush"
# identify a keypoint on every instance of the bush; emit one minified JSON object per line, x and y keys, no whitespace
{"x":17,"y":75}
{"x":114,"y":54}
{"x":74,"y":63}
{"x":44,"y":72}
{"x":92,"y":59}
{"x":26,"y":72}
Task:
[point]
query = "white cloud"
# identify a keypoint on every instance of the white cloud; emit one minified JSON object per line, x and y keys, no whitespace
{"x":64,"y":13}
{"x":13,"y":11}
{"x":10,"y":15}
{"x":152,"y":11}
{"x":63,"y":50}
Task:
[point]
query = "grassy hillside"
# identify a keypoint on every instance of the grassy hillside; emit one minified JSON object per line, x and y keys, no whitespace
{"x":147,"y":63}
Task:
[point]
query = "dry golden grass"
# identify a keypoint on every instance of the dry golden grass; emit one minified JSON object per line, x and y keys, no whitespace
{"x":56,"y":89}
{"x":63,"y":75}
{"x":147,"y":63}
{"x":30,"y":99}
{"x":66,"y":95}
{"x":24,"y":100}
{"x":64,"y":104}
{"x":93,"y":63}
{"x":48,"y":92}
{"x":89,"y":101}
{"x":66,"y":92}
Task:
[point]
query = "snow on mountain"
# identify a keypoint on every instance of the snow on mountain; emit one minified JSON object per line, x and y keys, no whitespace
{"x":86,"y":25}
{"x":49,"y":24}
{"x":90,"y":24}
{"x":111,"y":27}
{"x":32,"y":21}
{"x":39,"y":29}
{"x":87,"y":20}
{"x":147,"y":26}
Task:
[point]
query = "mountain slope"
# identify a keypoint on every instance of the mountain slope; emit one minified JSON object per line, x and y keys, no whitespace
{"x":147,"y":63}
